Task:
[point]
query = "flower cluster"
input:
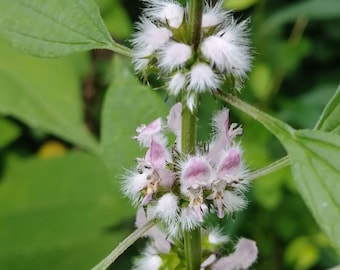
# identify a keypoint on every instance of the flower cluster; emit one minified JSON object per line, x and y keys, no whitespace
{"x":164,"y":256}
{"x":162,"y":44}
{"x":179,"y":189}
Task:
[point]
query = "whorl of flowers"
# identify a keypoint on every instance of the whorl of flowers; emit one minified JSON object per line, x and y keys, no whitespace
{"x":181,"y":189}
{"x":162,"y":44}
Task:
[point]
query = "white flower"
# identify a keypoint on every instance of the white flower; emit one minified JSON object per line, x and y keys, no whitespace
{"x":177,"y":83}
{"x":192,"y":101}
{"x":133,"y":184}
{"x":141,"y":59}
{"x":216,"y":237}
{"x":228,"y":50}
{"x":167,"y":208}
{"x":174,"y":55}
{"x":150,"y":260}
{"x":167,"y":11}
{"x":232,"y":202}
{"x":146,"y":41}
{"x":188,"y":219}
{"x":202,"y":78}
{"x":214,"y":15}
{"x":149,"y":36}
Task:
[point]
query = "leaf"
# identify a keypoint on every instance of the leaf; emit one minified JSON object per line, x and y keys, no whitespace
{"x":128,"y":104}
{"x":315,"y":162}
{"x":116,"y":18}
{"x":59,"y":213}
{"x":312,"y":9}
{"x":44,"y":94}
{"x":9,"y":132}
{"x":239,"y":4}
{"x":305,"y":110}
{"x":54,"y":28}
{"x":330,"y":118}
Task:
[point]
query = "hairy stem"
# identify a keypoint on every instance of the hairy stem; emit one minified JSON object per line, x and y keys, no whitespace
{"x":192,"y":239}
{"x":195,"y":22}
{"x":133,"y":237}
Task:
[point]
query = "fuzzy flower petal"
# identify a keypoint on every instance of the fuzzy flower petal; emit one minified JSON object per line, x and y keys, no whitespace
{"x":216,"y":237}
{"x":230,"y":165}
{"x":214,"y":15}
{"x":156,"y":155}
{"x":202,"y":78}
{"x":233,"y":202}
{"x":147,"y":132}
{"x":244,"y":256}
{"x":174,"y":55}
{"x":132,"y":186}
{"x":195,"y":171}
{"x":168,"y":12}
{"x":167,"y":208}
{"x":188,"y":219}
{"x":149,"y":36}
{"x":177,"y":83}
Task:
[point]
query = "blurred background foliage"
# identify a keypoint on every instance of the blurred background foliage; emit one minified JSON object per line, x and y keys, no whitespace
{"x":64,"y":148}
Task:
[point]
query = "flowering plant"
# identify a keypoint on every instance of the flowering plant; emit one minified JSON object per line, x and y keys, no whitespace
{"x":180,"y":185}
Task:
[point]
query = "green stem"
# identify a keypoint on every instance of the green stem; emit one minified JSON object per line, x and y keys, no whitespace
{"x":189,"y":123}
{"x":276,"y":165}
{"x":192,"y":239}
{"x":192,"y":249}
{"x":128,"y":241}
{"x":195,"y":22}
{"x":118,"y":48}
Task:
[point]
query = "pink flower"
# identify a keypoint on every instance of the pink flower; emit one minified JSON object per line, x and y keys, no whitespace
{"x":243,"y":257}
{"x":196,"y":171}
{"x":159,"y":238}
{"x":147,"y":132}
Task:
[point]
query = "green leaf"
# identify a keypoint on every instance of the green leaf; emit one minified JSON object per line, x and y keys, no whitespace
{"x":128,"y":104}
{"x":54,"y":28}
{"x":116,"y":18}
{"x":9,"y":132}
{"x":330,"y":118}
{"x":45,"y":94}
{"x":304,"y":110}
{"x":60,"y":213}
{"x":312,"y":9}
{"x":239,"y":4}
{"x":315,"y":162}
